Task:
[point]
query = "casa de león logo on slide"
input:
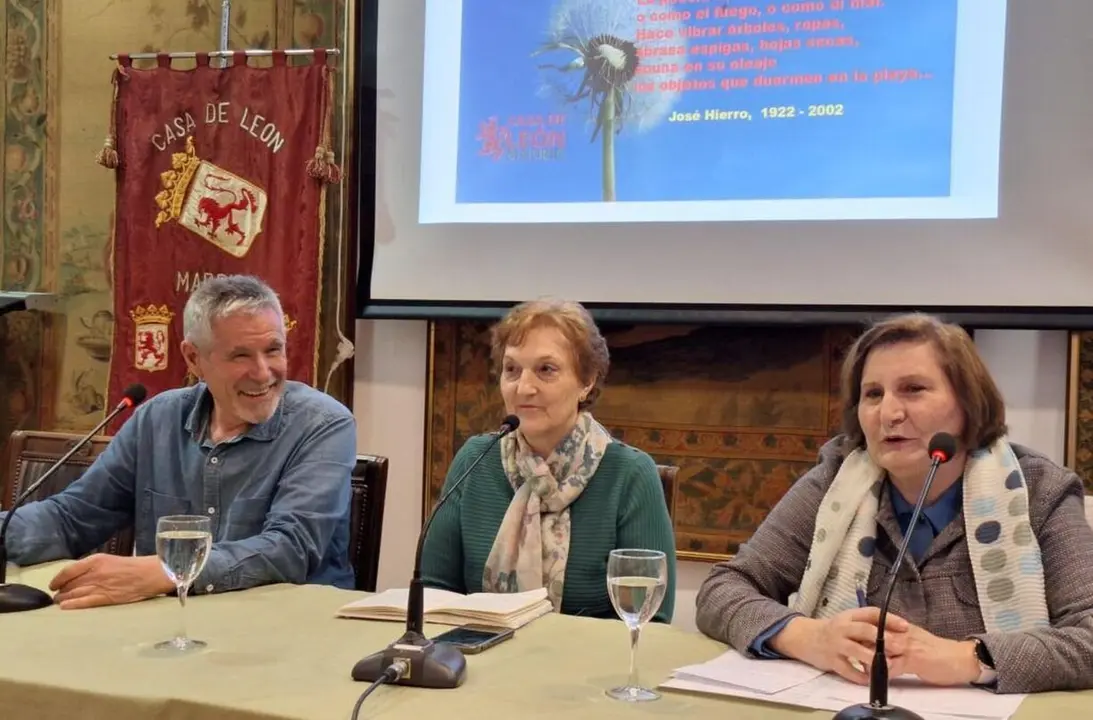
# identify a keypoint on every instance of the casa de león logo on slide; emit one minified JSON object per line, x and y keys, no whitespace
{"x":211,"y":202}
{"x":522,"y":137}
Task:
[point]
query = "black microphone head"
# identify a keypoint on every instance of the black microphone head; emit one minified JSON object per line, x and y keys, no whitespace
{"x":135,"y":394}
{"x":942,"y":447}
{"x":510,"y":423}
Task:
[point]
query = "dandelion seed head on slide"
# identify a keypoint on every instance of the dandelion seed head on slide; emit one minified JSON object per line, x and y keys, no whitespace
{"x":574,"y":24}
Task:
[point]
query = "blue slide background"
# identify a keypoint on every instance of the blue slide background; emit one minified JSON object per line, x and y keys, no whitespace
{"x":893,"y":141}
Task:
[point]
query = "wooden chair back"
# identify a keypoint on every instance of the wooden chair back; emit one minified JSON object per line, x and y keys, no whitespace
{"x":366,"y":524}
{"x":30,"y":455}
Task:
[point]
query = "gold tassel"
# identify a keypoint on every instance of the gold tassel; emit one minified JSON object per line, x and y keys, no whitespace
{"x":108,"y":155}
{"x":321,"y":166}
{"x":316,"y":166}
{"x":333,"y":171}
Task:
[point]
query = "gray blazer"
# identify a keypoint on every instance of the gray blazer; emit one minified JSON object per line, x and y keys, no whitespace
{"x":744,"y":596}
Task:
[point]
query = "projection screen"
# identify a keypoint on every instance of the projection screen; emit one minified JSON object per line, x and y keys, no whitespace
{"x":722,"y":152}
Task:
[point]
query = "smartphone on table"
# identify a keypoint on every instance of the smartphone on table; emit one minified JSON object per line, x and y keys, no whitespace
{"x":473,"y":639}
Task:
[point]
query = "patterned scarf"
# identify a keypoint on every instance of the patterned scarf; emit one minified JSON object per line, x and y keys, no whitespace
{"x":532,"y":544}
{"x":1005,"y":556}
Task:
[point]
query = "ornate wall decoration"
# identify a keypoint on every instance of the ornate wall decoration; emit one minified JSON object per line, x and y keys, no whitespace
{"x":54,"y":117}
{"x":28,"y":236}
{"x":90,"y":32}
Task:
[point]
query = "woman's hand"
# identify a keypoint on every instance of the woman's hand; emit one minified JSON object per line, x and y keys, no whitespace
{"x":831,"y":644}
{"x":935,"y":660}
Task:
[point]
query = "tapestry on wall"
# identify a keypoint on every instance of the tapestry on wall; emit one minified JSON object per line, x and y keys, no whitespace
{"x":740,"y":412}
{"x":219,"y":171}
{"x":1079,"y":414}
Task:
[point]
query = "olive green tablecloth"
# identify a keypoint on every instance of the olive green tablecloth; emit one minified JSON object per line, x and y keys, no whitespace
{"x":279,"y":652}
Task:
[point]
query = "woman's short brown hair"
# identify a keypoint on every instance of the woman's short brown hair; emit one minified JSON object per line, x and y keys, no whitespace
{"x":975,"y":389}
{"x":573,"y":321}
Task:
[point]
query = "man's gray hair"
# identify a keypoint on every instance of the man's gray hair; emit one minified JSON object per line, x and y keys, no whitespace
{"x":221,"y":296}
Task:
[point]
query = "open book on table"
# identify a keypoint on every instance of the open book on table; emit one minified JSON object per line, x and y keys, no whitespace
{"x":510,"y":610}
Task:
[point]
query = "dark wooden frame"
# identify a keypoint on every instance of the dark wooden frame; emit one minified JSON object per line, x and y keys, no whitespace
{"x":1079,"y":430}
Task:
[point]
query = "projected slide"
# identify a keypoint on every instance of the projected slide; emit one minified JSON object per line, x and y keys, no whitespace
{"x":677,"y":110}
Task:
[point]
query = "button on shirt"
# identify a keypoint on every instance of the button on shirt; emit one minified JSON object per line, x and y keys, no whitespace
{"x":277,"y":496}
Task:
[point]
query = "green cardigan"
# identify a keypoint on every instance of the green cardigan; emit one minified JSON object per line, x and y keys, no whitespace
{"x":622,"y":507}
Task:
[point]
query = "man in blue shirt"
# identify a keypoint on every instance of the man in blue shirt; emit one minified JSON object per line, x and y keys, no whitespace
{"x":267,"y":460}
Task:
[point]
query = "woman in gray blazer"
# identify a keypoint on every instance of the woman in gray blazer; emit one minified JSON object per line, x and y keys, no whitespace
{"x":997,"y":586}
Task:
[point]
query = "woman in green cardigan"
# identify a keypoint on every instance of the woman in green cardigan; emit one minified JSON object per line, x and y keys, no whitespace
{"x":549,"y":502}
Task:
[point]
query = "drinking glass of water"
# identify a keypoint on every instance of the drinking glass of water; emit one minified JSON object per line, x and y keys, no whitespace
{"x":636,"y":581}
{"x":182,"y":544}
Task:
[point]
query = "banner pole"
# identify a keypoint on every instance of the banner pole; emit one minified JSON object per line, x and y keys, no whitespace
{"x":225,"y":26}
{"x":190,"y":54}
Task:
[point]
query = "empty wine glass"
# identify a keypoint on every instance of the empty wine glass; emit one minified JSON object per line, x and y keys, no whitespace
{"x":182,"y":544}
{"x":636,"y":581}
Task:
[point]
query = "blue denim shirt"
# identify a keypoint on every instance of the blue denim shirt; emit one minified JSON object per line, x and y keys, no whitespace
{"x":278,"y":496}
{"x":934,"y":518}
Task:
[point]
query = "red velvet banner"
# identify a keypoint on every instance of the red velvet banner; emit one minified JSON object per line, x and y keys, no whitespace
{"x":219,"y":171}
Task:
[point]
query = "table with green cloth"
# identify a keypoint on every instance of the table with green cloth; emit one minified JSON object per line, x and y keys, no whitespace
{"x":280,"y":652}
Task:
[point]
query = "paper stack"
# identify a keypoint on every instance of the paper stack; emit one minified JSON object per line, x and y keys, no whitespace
{"x":510,"y":610}
{"x":788,"y":682}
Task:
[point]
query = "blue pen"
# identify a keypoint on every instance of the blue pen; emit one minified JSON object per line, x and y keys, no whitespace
{"x":862,"y":602}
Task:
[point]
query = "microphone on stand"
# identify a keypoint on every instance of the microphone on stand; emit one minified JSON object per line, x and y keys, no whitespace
{"x":942,"y":449}
{"x":16,"y":597}
{"x":431,"y":664}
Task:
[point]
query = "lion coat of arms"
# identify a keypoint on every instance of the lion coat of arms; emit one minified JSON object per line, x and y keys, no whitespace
{"x":211,"y":202}
{"x":151,"y":337}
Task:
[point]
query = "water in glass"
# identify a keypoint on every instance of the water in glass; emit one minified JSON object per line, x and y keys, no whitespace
{"x":636,"y":583}
{"x":183,"y":553}
{"x":636,"y":598}
{"x":182,"y":544}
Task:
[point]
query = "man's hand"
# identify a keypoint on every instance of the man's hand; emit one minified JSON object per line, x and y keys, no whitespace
{"x":833,"y":643}
{"x":103,"y":579}
{"x":936,"y":660}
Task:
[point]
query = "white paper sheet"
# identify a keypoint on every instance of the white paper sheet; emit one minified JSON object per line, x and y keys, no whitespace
{"x":766,"y":676}
{"x":788,"y":682}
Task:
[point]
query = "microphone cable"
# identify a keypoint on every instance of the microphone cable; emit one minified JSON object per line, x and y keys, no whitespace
{"x":393,"y":673}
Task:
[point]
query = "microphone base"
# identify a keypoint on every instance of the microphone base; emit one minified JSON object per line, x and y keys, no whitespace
{"x":20,"y":598}
{"x":876,"y":712}
{"x":433,"y":665}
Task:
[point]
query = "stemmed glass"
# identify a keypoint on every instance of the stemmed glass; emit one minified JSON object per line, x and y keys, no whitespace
{"x":182,"y":544}
{"x":636,"y":582}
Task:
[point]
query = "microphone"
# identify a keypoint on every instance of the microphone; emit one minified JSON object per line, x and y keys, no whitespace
{"x":942,"y":448}
{"x":16,"y":597}
{"x":432,"y":665}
